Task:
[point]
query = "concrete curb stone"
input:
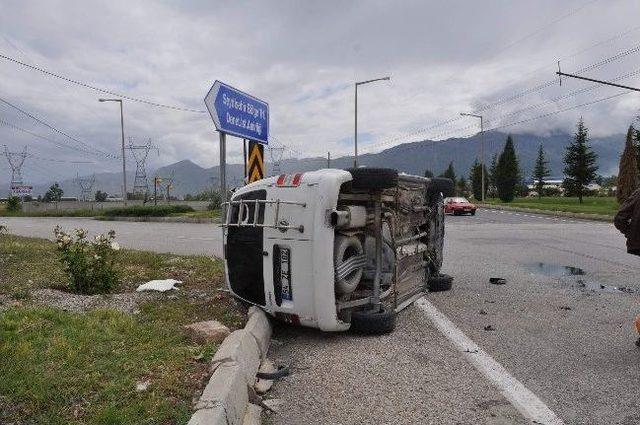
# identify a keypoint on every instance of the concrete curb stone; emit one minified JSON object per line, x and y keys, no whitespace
{"x":225,"y":399}
{"x":259,"y":327}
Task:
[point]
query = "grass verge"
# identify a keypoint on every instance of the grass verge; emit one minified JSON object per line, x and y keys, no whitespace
{"x":591,"y":205}
{"x":60,"y":367}
{"x":132,"y":211}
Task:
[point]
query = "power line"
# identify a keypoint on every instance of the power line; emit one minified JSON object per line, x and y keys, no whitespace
{"x":98,"y":89}
{"x":37,"y":158}
{"x":524,"y":93}
{"x":38,"y":136}
{"x":51,"y":127}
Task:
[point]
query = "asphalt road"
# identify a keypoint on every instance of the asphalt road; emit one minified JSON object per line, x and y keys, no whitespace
{"x":568,"y":339}
{"x":570,"y":345}
{"x":177,"y":238}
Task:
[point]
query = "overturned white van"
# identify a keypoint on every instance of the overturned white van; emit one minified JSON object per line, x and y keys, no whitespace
{"x":336,"y":249}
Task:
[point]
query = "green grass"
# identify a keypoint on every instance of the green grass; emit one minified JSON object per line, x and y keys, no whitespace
{"x":33,"y":262}
{"x":132,"y":211}
{"x":147,"y":211}
{"x":59,"y":367}
{"x":198,"y":214}
{"x":590,"y":205}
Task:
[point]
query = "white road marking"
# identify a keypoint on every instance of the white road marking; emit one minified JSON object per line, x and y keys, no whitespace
{"x":527,"y":403}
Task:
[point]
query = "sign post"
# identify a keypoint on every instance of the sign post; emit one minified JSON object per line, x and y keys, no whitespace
{"x":239,"y":114}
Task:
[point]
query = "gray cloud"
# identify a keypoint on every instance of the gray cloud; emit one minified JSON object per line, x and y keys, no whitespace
{"x":303,"y":57}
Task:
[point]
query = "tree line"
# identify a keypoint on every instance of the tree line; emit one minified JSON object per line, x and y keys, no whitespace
{"x":504,"y":178}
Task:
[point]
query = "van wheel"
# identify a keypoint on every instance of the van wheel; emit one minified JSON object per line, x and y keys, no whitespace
{"x":441,"y":185}
{"x":373,"y":178}
{"x":373,"y":323}
{"x":440,"y":283}
{"x":435,"y":246}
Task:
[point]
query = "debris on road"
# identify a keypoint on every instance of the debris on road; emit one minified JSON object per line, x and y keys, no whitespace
{"x":489,"y":328}
{"x":142,"y":386}
{"x":483,"y":312}
{"x":159,"y":285}
{"x":497,"y":280}
{"x":565,"y":307}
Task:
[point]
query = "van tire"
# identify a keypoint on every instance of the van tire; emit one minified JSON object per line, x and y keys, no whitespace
{"x":373,"y":323}
{"x":441,"y":185}
{"x":440,"y":283}
{"x":369,"y":178}
{"x":436,"y":229}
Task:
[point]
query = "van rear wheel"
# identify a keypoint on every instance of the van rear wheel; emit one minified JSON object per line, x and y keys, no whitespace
{"x":373,"y":323}
{"x":369,"y":178}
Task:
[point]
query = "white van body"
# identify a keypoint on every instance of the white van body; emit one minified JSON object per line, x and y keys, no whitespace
{"x":282,"y":235}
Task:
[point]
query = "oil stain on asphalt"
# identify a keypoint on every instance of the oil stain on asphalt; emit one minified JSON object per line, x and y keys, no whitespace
{"x":564,"y":271}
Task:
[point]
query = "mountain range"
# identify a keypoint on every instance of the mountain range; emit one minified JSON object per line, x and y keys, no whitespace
{"x":412,"y":158}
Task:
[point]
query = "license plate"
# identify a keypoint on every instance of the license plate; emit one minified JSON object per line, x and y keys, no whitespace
{"x":282,"y":274}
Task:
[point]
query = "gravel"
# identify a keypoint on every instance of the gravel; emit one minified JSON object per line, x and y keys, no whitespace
{"x":126,"y":302}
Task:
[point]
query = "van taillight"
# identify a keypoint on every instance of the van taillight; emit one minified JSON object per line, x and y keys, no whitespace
{"x":289,"y":180}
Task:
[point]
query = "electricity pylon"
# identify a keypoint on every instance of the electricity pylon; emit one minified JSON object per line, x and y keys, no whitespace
{"x":16,"y":161}
{"x":86,"y":186}
{"x":276,"y":154}
{"x":140,"y":154}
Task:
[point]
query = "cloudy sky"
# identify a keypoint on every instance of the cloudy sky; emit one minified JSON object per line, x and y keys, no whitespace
{"x":496,"y":57}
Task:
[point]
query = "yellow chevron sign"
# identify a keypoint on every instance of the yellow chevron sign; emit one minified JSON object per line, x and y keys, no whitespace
{"x":255,"y":162}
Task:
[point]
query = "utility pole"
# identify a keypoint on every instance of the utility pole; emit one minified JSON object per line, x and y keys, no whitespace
{"x":355,"y":136}
{"x":124,"y":162}
{"x":328,"y":159}
{"x":156,"y":181}
{"x":481,"y":147}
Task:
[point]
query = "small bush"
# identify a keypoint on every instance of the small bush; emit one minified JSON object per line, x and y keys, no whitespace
{"x":90,"y":264}
{"x":147,"y":211}
{"x":13,"y":204}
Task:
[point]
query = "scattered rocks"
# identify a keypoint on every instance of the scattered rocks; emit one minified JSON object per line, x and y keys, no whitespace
{"x":126,"y":302}
{"x":273,"y":404}
{"x":264,"y":385}
{"x":564,"y":307}
{"x":489,"y":328}
{"x":482,"y":312}
{"x":142,"y":386}
{"x":207,"y":331}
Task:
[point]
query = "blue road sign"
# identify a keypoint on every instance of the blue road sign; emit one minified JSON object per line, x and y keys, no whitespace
{"x":237,"y":113}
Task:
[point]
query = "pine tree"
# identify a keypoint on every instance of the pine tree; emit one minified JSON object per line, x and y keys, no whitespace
{"x":507,"y":172}
{"x":540,"y":171}
{"x":450,"y":173}
{"x":428,"y":173}
{"x":493,"y":171}
{"x":475,"y":175}
{"x":628,"y":171}
{"x":580,"y":163}
{"x":462,"y":187}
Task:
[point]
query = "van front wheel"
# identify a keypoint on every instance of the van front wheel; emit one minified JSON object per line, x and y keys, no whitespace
{"x":373,"y":323}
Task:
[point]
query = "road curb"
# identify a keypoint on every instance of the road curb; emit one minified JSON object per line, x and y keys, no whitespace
{"x":225,"y":399}
{"x":201,"y":220}
{"x":582,"y":216}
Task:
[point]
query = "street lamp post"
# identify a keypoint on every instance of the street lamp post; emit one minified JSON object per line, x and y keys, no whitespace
{"x":124,"y":166}
{"x":481,"y":147}
{"x":360,"y":83}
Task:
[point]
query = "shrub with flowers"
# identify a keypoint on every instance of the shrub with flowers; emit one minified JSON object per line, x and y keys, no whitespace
{"x":90,"y":263}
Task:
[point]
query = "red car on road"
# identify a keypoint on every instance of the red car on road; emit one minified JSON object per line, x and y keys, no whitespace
{"x":459,"y":206}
